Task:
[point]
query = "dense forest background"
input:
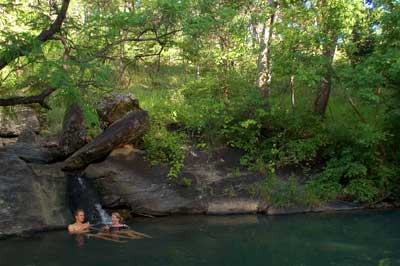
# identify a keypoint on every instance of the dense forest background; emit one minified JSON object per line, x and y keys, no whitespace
{"x":311,"y":85}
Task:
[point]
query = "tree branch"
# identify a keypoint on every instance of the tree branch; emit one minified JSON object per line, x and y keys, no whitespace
{"x":40,"y":99}
{"x":18,"y":67}
{"x":103,"y":51}
{"x":46,"y":34}
{"x":355,"y":109}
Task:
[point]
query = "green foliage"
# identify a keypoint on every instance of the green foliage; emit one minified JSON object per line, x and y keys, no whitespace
{"x":165,"y":147}
{"x":280,"y":193}
{"x":295,"y":140}
{"x":53,"y":117}
{"x":193,"y":66}
{"x":355,"y":161}
{"x":353,"y":155}
{"x":60,"y":103}
{"x":362,"y":190}
{"x":186,"y":182}
{"x":91,"y":119}
{"x":321,"y":189}
{"x":301,"y":140}
{"x":229,"y":191}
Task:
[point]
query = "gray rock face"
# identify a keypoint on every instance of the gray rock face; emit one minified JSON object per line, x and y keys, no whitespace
{"x":116,"y":106}
{"x":28,"y":136}
{"x":34,"y":153}
{"x":50,"y":188}
{"x":125,"y":178}
{"x":7,"y":141}
{"x":123,"y":131}
{"x":14,"y":122}
{"x":32,"y":197}
{"x":30,"y":148}
{"x":73,"y":135}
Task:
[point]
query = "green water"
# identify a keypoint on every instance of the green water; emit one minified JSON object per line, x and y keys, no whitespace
{"x":361,"y":238}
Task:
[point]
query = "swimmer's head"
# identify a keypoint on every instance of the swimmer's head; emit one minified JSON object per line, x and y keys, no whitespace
{"x":79,"y":215}
{"x":116,"y":218}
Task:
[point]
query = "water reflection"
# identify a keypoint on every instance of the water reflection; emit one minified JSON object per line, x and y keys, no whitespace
{"x":357,"y":239}
{"x":117,"y":235}
{"x":79,"y":240}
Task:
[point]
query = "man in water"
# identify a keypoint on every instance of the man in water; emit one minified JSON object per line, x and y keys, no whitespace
{"x":79,"y":226}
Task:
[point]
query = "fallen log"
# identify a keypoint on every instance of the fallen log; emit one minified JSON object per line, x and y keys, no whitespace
{"x":123,"y":131}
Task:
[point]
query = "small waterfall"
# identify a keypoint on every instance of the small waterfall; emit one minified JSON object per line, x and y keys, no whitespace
{"x":81,"y":183}
{"x":104,"y":217}
{"x":82,"y":195}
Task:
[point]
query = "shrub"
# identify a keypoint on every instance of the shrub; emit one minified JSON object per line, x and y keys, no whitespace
{"x":280,"y":193}
{"x":165,"y":147}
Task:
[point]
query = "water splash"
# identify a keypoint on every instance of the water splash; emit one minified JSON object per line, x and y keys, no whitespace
{"x":81,"y":183}
{"x":105,"y":218}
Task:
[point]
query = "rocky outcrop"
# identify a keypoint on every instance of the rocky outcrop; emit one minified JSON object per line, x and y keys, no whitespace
{"x":32,"y":149}
{"x":7,"y":141}
{"x":126,"y":179}
{"x":34,"y":189}
{"x":32,"y":197}
{"x":13,"y":122}
{"x":29,"y":136}
{"x":123,"y":131}
{"x":217,"y":185}
{"x":115,"y":106}
{"x":50,"y":188}
{"x":73,"y":135}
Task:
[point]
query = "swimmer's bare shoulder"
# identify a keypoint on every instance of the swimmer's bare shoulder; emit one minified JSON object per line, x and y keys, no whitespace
{"x":78,"y":228}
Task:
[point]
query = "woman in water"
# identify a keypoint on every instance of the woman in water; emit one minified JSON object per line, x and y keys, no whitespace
{"x":117,"y":231}
{"x":122,"y":230}
{"x":116,"y":223}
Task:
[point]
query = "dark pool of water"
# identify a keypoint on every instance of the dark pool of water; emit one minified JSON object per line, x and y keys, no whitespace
{"x":356,"y":239}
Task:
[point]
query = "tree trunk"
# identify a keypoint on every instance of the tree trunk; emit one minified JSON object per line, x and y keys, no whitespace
{"x":324,"y":90}
{"x":123,"y":131}
{"x":292,"y":96}
{"x":264,"y":76}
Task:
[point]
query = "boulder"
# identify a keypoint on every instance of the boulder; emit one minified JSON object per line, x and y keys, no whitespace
{"x":32,"y":149}
{"x":116,"y":106}
{"x":7,"y":141}
{"x":126,"y":180}
{"x":14,"y":122}
{"x":73,"y":135}
{"x":29,"y":136}
{"x":123,"y":131}
{"x":32,"y":197}
{"x":34,"y":153}
{"x":50,"y":184}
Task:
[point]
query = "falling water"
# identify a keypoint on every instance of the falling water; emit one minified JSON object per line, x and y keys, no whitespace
{"x":82,"y":195}
{"x":81,"y":183}
{"x":105,"y":218}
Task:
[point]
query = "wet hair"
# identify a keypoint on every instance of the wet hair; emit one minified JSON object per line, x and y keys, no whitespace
{"x":78,"y":211}
{"x":119,"y":217}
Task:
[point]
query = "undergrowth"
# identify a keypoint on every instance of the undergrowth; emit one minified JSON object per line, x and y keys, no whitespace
{"x":354,"y":159}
